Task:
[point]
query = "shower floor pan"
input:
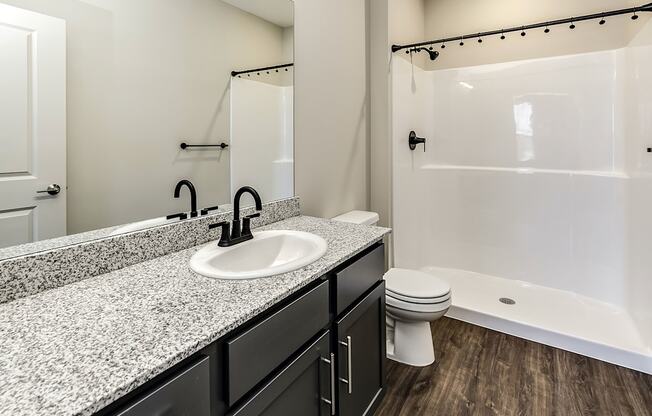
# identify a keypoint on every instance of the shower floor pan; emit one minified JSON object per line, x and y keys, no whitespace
{"x":553,"y":317}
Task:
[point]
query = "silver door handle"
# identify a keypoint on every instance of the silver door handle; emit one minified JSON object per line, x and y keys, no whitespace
{"x":53,"y":189}
{"x":349,"y":364}
{"x":331,"y":401}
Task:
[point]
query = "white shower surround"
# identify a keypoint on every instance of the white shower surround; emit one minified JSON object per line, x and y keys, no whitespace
{"x":536,"y":184}
{"x":262,"y":138}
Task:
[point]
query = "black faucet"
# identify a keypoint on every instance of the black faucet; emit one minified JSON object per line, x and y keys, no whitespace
{"x":238,"y":234}
{"x":193,"y":195}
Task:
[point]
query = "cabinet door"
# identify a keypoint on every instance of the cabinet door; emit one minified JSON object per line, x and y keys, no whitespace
{"x":361,"y":355}
{"x":304,"y":387}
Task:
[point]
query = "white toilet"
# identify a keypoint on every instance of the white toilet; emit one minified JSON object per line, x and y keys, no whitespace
{"x":413,"y":299}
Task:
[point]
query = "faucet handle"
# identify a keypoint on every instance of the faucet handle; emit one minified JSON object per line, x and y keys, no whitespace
{"x":225,"y":238}
{"x":246,"y":223}
{"x":182,"y":216}
{"x":206,"y":210}
{"x":219,"y":224}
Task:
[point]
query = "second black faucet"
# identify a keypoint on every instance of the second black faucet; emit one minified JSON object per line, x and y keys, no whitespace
{"x":193,"y":195}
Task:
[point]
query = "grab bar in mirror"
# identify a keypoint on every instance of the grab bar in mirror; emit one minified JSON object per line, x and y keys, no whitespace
{"x":185,"y":145}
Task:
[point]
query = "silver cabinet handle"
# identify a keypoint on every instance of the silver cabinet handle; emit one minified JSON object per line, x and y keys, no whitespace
{"x":331,"y":401}
{"x":349,"y":364}
{"x":53,"y":189}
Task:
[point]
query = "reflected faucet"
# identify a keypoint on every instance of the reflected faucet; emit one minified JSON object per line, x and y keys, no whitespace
{"x":193,"y":195}
{"x":238,"y":234}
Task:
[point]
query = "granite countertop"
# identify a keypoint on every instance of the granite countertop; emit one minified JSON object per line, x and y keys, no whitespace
{"x":75,"y":349}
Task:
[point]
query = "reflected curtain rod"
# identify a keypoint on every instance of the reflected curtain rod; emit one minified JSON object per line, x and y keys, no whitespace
{"x":267,"y":68}
{"x":572,"y":20}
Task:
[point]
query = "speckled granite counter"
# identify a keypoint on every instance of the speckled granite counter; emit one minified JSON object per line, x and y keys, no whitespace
{"x":75,"y":349}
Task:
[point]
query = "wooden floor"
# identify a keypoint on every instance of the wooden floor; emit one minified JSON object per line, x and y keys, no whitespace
{"x":483,"y":372}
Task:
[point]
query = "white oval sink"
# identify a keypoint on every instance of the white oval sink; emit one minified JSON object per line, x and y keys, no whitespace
{"x":269,"y":253}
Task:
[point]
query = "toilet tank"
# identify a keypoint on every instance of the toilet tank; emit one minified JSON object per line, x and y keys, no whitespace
{"x":359,"y":217}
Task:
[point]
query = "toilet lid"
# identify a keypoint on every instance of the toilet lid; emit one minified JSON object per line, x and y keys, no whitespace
{"x":414,"y":284}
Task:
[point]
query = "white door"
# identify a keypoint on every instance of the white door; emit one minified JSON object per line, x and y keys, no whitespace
{"x":32,"y":126}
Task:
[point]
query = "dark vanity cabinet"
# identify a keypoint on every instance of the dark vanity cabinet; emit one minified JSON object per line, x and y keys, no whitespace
{"x":359,"y":330}
{"x":318,"y":353}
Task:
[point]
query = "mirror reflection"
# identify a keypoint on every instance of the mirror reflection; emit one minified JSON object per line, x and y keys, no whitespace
{"x":122,"y":105}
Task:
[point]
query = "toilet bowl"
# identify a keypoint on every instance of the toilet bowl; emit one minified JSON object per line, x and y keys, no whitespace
{"x":413,"y":300}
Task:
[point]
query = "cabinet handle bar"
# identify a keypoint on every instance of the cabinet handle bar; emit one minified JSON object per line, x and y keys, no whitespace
{"x":349,"y":365}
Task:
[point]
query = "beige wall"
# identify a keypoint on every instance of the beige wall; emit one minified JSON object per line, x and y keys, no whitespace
{"x":391,"y":21}
{"x":444,"y":18}
{"x":141,"y":76}
{"x":331,"y":148}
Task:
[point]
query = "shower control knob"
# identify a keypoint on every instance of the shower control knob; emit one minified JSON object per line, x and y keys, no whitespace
{"x":414,"y":141}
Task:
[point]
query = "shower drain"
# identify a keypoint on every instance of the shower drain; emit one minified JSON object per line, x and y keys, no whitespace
{"x":507,"y":301}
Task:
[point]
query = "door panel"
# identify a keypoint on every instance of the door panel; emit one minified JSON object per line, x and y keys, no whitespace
{"x":15,"y":100}
{"x":361,"y":354}
{"x":16,"y":226}
{"x":32,"y":125}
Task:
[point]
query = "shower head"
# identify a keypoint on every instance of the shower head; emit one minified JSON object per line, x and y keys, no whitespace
{"x":432,"y":53}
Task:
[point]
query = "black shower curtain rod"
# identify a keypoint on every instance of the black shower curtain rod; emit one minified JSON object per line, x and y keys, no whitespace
{"x":257,"y":70}
{"x":572,"y":20}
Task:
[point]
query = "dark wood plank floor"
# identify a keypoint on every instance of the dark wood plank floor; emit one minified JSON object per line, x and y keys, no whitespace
{"x":483,"y":372}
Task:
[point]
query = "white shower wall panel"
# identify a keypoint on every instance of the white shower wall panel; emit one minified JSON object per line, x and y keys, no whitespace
{"x":536,"y":183}
{"x":550,"y":229}
{"x":262,"y":144}
{"x":524,"y":173}
{"x":639,"y":207}
{"x":555,"y":113}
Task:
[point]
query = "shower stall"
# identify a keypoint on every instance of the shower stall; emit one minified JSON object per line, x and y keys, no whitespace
{"x":535,"y":187}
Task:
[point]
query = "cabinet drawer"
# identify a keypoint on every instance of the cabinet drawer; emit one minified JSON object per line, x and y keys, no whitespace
{"x":359,"y":277}
{"x":254,"y":354}
{"x":187,"y":394}
{"x":298,"y":389}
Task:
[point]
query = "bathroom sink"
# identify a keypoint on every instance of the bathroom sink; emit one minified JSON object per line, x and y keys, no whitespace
{"x":269,"y":253}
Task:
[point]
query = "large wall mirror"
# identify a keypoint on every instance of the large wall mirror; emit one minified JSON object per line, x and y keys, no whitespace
{"x":98,"y":96}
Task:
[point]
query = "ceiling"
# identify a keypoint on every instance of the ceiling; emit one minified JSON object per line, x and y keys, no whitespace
{"x":279,"y":12}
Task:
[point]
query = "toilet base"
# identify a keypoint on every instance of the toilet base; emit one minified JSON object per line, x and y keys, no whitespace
{"x":410,"y":343}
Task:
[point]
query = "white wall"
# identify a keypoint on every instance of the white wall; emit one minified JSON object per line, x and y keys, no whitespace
{"x":331,"y":106}
{"x":142,"y":75}
{"x":261,"y":138}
